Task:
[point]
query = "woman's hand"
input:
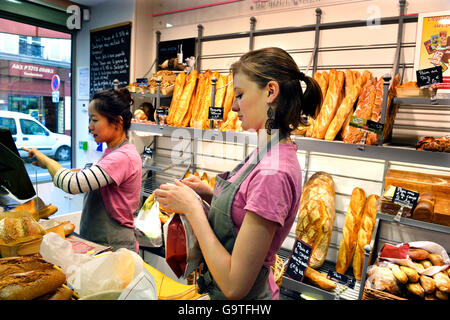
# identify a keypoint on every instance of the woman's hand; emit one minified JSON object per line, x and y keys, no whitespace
{"x":41,"y":159}
{"x":178,"y":198}
{"x":201,"y":188}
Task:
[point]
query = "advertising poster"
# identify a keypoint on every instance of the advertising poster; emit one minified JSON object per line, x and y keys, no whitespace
{"x":433,"y":45}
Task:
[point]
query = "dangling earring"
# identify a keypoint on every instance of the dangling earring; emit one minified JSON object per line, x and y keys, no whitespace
{"x":270,"y":120}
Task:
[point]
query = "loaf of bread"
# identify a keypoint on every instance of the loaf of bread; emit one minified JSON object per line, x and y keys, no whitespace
{"x":441,"y":295}
{"x":322,"y":79}
{"x":363,"y":110}
{"x":418,"y":254}
{"x":318,"y":279}
{"x":330,"y":105}
{"x":203,"y":86}
{"x":399,"y":274}
{"x":392,"y":108}
{"x":316,"y":216}
{"x":442,"y":282}
{"x":437,"y":144}
{"x":372,"y":138}
{"x":180,"y":80}
{"x":415,"y":289}
{"x":413,"y":275}
{"x":183,"y":101}
{"x":424,"y":210}
{"x":427,"y":284}
{"x":346,"y":107}
{"x":13,"y":265}
{"x":365,"y":233}
{"x":16,"y":230}
{"x":350,"y":230}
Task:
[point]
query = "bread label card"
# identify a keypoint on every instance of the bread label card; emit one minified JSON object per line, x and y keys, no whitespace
{"x":341,"y":278}
{"x":298,"y":261}
{"x":215,"y":113}
{"x":405,"y":197}
{"x":430,"y":76}
{"x":162,"y":112}
{"x":367,"y":125}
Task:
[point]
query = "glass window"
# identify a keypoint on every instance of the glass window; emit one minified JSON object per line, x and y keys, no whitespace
{"x":31,"y":127}
{"x":8,"y":123}
{"x":30,"y":57}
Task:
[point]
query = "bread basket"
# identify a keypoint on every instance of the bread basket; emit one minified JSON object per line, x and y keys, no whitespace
{"x":374,"y":294}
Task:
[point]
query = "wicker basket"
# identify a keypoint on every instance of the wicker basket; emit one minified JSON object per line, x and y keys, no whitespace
{"x":373,"y":294}
{"x":278,"y":270}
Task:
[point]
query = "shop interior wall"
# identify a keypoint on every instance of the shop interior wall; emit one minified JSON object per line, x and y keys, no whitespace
{"x":347,"y":172}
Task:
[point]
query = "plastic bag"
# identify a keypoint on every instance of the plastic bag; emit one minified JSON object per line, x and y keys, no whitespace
{"x":92,"y":274}
{"x":149,"y":223}
{"x":183,"y":253}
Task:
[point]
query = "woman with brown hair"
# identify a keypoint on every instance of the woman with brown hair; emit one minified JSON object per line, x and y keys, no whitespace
{"x":254,"y":206}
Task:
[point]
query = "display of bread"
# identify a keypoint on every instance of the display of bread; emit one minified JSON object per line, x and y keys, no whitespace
{"x":350,"y":230}
{"x":436,"y":144}
{"x":412,"y":282}
{"x":30,"y":277}
{"x":316,"y":215}
{"x":365,"y":233}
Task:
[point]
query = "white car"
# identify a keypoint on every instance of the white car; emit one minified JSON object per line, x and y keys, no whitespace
{"x":29,"y":133}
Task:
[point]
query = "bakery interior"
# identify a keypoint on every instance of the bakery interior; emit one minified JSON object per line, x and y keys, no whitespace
{"x":379,"y":243}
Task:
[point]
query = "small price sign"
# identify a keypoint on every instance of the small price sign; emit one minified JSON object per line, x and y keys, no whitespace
{"x":215,"y":113}
{"x":341,"y":278}
{"x":405,"y":197}
{"x":366,"y":125}
{"x":298,"y":261}
{"x":428,"y":77}
{"x":162,"y":112}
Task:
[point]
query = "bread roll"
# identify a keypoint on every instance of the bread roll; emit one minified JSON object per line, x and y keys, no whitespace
{"x":436,"y":259}
{"x":415,"y":289}
{"x":399,"y":274}
{"x":418,"y":254}
{"x":31,"y":284}
{"x":441,"y":295}
{"x":426,"y":264}
{"x":350,"y":231}
{"x":318,"y":279}
{"x":365,"y":233}
{"x":442,"y":282}
{"x":427,"y":284}
{"x":413,"y":275}
{"x":330,"y":105}
{"x":316,"y":216}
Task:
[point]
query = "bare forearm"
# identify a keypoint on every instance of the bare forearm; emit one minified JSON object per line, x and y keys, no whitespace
{"x":52,"y":166}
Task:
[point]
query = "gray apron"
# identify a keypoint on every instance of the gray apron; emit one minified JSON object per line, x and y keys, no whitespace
{"x":220,"y":220}
{"x":97,"y":226}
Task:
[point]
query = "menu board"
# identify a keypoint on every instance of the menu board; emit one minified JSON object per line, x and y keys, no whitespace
{"x":110,"y":57}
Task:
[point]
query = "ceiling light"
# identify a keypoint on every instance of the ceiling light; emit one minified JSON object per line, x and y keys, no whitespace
{"x":168,"y":25}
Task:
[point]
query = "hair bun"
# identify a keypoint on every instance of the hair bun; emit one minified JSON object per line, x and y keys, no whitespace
{"x":125,"y":95}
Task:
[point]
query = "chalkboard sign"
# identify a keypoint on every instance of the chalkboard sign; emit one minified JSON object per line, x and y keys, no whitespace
{"x":298,"y":261}
{"x":428,"y":77}
{"x":215,"y":113}
{"x":405,"y":197}
{"x":341,"y":278}
{"x":110,"y":57}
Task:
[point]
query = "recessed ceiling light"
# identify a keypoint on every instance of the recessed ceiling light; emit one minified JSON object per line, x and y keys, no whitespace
{"x":168,"y":25}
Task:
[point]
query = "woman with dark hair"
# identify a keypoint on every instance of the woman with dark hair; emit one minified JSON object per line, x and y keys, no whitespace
{"x":111,"y":186}
{"x":254,"y":206}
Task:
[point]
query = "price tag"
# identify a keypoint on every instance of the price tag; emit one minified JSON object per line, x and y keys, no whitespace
{"x":428,"y":77}
{"x":341,"y":278}
{"x":215,"y":113}
{"x":142,"y":81}
{"x":405,"y":197}
{"x":298,"y":261}
{"x":367,"y":125}
{"x":162,"y":112}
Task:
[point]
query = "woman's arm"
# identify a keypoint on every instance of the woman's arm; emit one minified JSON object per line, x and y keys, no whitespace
{"x":235,"y":274}
{"x":43,"y":161}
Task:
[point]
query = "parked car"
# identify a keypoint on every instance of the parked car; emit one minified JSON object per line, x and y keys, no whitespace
{"x":29,"y":133}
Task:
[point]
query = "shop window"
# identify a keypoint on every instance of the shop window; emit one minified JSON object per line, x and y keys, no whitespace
{"x":31,"y":57}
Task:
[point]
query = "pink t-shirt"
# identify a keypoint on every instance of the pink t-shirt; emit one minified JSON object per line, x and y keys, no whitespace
{"x":121,"y":198}
{"x":272,"y":190}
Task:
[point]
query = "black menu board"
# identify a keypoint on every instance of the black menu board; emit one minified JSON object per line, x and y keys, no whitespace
{"x":110,"y":57}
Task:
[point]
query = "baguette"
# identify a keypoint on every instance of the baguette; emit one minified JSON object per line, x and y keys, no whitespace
{"x":201,"y":85}
{"x":316,"y":278}
{"x":416,"y":289}
{"x":350,"y":231}
{"x":436,"y":259}
{"x":184,"y":99}
{"x":427,"y":284}
{"x":330,"y":105}
{"x":365,"y":233}
{"x":31,"y":284}
{"x":47,"y":211}
{"x":372,"y":138}
{"x":322,"y":80}
{"x":391,"y":111}
{"x":346,"y":107}
{"x":229,"y":97}
{"x":180,"y":81}
{"x":349,"y":82}
{"x":13,"y":265}
{"x":316,"y":216}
